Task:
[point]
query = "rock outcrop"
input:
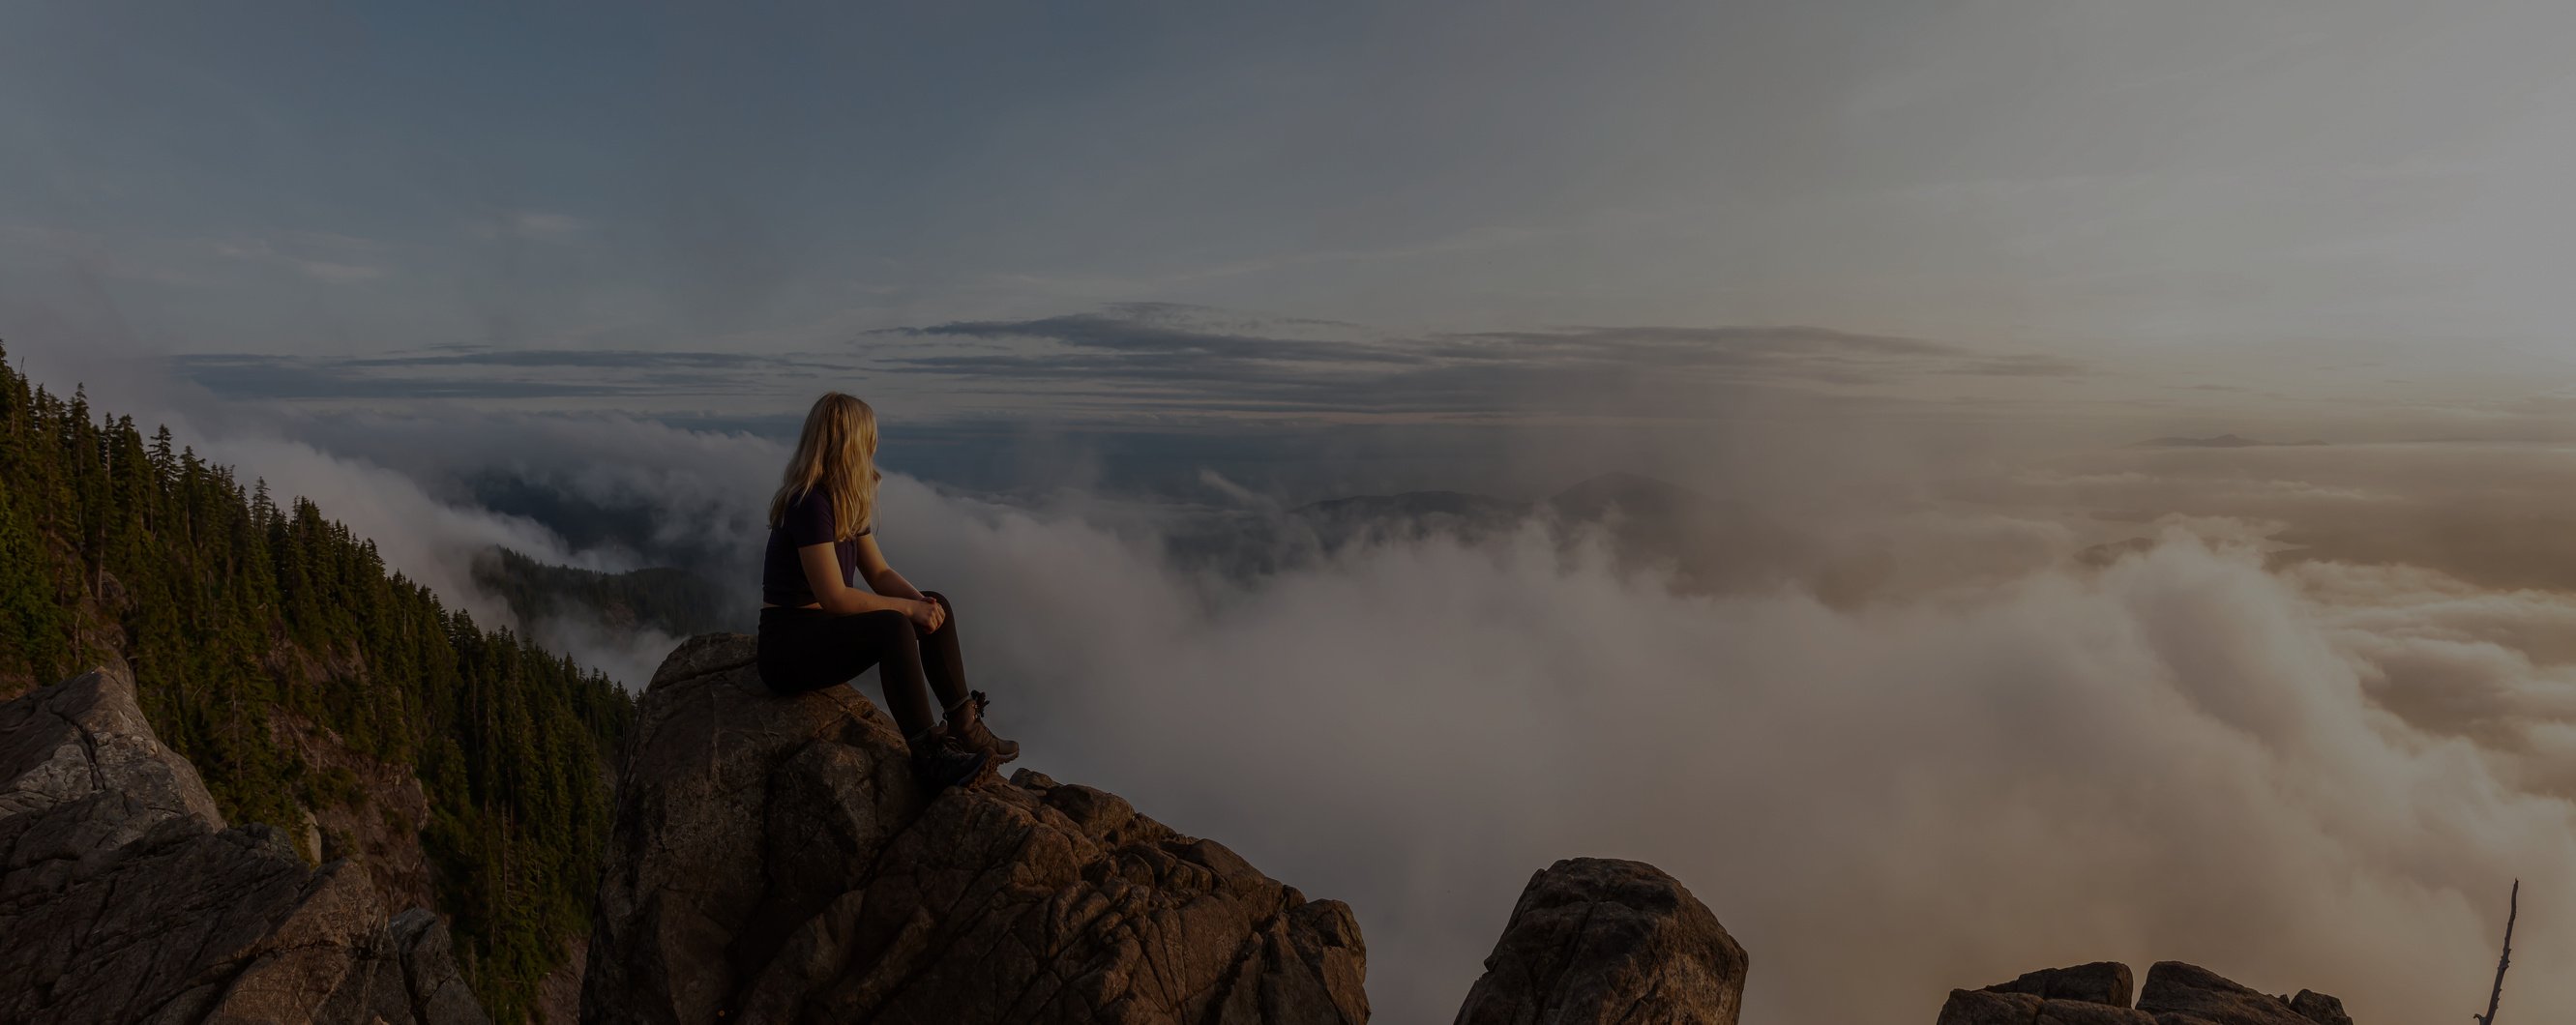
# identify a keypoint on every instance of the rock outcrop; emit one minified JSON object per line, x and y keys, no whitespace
{"x":123,"y":897}
{"x":2320,"y":1008}
{"x":2098,"y":994}
{"x":2101,"y":982}
{"x":773,"y":860}
{"x":1597,"y":940}
{"x":2183,"y":994}
{"x":2086,"y":994}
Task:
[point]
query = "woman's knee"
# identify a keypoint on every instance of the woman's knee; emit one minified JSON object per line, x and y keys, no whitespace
{"x":949,"y":618}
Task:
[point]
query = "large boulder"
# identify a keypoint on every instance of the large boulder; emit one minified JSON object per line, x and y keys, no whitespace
{"x":1994,"y":1007}
{"x":1597,"y":940}
{"x":2101,"y":982}
{"x":2185,"y":994}
{"x":82,"y":747}
{"x":123,"y":897}
{"x":774,"y":860}
{"x":2098,"y":994}
{"x":2320,"y":1008}
{"x":2086,"y":994}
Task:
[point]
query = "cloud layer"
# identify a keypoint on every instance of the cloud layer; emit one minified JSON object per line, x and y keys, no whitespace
{"x":1163,"y":356}
{"x":2184,"y":755}
{"x":1134,"y":361}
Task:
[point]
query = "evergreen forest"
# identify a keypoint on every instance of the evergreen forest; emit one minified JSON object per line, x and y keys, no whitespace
{"x":245,"y":617}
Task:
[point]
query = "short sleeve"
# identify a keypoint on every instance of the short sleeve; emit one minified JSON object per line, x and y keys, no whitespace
{"x":809,"y":520}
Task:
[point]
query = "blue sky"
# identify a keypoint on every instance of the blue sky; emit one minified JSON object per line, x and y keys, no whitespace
{"x":2171,"y":214}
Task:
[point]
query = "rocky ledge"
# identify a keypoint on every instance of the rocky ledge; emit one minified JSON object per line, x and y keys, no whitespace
{"x":774,"y":861}
{"x":2098,"y":994}
{"x":124,"y":898}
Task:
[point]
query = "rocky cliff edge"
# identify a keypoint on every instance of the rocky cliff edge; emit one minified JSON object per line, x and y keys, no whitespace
{"x":124,"y":898}
{"x":774,"y":861}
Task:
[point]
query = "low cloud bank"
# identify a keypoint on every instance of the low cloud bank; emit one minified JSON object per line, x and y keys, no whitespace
{"x":2182,"y":755}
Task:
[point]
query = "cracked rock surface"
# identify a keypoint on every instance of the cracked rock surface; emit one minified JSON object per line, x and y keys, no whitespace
{"x":2098,"y":994}
{"x":2186,"y":994}
{"x":774,"y":861}
{"x":123,"y":897}
{"x":1599,"y":940}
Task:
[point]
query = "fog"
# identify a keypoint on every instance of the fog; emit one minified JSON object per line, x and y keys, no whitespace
{"x":2184,"y":755}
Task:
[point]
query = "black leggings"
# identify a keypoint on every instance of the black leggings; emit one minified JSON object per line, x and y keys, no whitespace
{"x":810,"y":649}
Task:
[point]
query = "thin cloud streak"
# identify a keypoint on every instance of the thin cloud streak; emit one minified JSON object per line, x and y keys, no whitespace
{"x":1176,"y":357}
{"x":1137,"y":359}
{"x":497,"y":374}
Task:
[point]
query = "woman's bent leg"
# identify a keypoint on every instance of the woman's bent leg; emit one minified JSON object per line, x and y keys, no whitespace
{"x":897,"y":646}
{"x":964,"y":708}
{"x":939,"y":658}
{"x":808,"y":649}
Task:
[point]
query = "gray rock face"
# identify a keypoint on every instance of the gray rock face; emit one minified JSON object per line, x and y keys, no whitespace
{"x":2320,"y":1008}
{"x":2086,"y":994}
{"x":124,"y":899}
{"x":1992,"y":1007}
{"x":2184,"y":994}
{"x":2098,"y":994}
{"x":2101,"y":982}
{"x":84,"y":741}
{"x":1597,"y":940}
{"x":773,"y":860}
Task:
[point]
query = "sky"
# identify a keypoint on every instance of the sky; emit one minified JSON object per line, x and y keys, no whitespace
{"x":1897,"y":286}
{"x":700,"y":211}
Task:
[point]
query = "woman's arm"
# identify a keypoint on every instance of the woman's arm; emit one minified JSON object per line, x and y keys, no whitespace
{"x":882,"y":578}
{"x":836,"y":596}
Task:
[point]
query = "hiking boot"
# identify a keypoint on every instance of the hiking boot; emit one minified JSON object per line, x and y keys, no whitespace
{"x":966,"y":729}
{"x":939,"y":763}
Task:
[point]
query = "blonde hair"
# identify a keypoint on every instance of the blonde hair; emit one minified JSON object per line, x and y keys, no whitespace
{"x":836,"y":453}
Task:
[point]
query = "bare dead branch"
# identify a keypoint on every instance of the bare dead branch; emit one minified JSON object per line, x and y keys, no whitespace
{"x":2512,"y":907}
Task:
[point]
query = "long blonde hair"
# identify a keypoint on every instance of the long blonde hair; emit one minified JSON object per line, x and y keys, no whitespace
{"x":836,"y":453}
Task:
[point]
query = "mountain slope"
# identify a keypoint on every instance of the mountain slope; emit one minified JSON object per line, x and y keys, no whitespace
{"x":664,"y":599}
{"x":274,"y":649}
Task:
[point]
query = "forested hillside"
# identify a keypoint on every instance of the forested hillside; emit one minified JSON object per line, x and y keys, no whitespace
{"x":248,"y":623}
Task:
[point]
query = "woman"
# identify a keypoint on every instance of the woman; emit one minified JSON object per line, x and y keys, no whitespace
{"x":818,"y":629}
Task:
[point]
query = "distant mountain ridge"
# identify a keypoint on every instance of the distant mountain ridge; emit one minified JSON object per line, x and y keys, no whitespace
{"x":665,"y":599}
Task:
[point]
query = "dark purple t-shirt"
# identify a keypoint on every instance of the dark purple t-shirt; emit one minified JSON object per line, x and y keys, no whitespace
{"x":808,"y":522}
